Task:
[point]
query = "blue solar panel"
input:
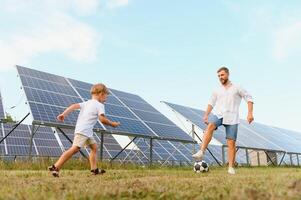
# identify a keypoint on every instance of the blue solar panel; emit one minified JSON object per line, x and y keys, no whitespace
{"x":160,"y":124}
{"x":119,"y":111}
{"x":48,"y":95}
{"x":49,"y":98}
{"x":144,"y":146}
{"x":115,"y":111}
{"x":171,"y":132}
{"x":127,"y":96}
{"x":46,"y":142}
{"x":41,"y":75}
{"x":130,"y":126}
{"x":248,"y":136}
{"x":47,"y":86}
{"x":293,"y":136}
{"x":18,"y":142}
{"x":138,"y":105}
{"x":48,"y":113}
{"x":111,"y":147}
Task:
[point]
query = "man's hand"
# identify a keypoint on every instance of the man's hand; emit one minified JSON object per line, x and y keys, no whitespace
{"x":250,"y":118}
{"x":61,"y":117}
{"x":206,"y":119}
{"x":115,"y":124}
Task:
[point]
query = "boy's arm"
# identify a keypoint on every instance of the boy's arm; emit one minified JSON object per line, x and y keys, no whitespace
{"x":106,"y":121}
{"x":68,"y":110}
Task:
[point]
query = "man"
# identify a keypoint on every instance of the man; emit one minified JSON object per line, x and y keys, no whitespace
{"x":225,"y":101}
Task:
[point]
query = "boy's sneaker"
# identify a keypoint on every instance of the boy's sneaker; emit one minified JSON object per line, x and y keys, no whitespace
{"x":199,"y":155}
{"x":231,"y":171}
{"x":97,"y":171}
{"x":54,"y":171}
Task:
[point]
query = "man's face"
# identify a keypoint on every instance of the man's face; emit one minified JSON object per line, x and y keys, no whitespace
{"x":223,"y":77}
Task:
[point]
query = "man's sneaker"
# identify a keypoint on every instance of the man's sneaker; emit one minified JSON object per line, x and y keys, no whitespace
{"x":199,"y":155}
{"x":97,"y":171}
{"x":54,"y":171}
{"x":231,"y":171}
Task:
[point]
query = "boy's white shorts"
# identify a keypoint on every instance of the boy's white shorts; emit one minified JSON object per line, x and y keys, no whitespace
{"x":83,"y":141}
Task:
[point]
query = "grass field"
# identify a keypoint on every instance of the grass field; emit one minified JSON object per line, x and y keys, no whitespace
{"x":32,"y":181}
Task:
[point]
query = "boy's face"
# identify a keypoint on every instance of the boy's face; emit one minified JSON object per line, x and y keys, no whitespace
{"x":102,"y":97}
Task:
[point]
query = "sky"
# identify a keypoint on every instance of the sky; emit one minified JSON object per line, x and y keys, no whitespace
{"x":160,"y":50}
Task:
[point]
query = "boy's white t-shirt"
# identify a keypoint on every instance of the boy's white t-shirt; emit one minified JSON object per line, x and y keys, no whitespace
{"x":88,"y":116}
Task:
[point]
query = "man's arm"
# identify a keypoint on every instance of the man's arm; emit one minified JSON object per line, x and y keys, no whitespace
{"x":250,"y":117}
{"x":106,"y":121}
{"x":249,"y":99}
{"x":68,"y":110}
{"x":208,"y":111}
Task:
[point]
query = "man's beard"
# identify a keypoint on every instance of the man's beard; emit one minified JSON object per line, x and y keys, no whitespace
{"x":224,"y":81}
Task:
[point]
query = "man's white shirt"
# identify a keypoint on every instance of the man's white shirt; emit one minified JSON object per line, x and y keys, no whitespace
{"x":226,"y":103}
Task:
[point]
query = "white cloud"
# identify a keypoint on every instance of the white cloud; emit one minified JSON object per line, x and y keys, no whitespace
{"x":288,"y":41}
{"x":117,"y":3}
{"x":49,"y":26}
{"x":59,"y":33}
{"x":78,"y":6}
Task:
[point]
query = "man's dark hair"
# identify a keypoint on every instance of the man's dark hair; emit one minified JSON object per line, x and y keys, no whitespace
{"x":223,"y":69}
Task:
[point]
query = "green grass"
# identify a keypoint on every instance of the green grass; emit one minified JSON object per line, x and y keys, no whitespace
{"x":31,"y":181}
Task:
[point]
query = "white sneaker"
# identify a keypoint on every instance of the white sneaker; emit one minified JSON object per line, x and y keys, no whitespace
{"x":199,"y":155}
{"x":231,"y":171}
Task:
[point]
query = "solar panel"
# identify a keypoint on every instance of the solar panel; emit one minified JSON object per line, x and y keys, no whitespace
{"x":155,"y":120}
{"x":2,"y":145}
{"x":144,"y":146}
{"x":48,"y":95}
{"x":115,"y":111}
{"x":247,"y":135}
{"x":17,"y":143}
{"x":120,"y":106}
{"x":2,"y":116}
{"x":293,"y":137}
{"x":46,"y":142}
{"x":111,"y":146}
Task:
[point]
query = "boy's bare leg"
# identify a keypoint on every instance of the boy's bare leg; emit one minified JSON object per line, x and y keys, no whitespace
{"x":206,"y":140}
{"x":93,"y":156}
{"x":66,"y":156}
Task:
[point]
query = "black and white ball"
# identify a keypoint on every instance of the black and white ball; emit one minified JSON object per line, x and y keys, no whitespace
{"x":200,"y":167}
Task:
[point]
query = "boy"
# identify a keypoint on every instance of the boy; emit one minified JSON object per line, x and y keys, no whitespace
{"x":90,"y":111}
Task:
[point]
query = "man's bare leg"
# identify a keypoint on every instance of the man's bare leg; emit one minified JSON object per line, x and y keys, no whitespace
{"x":206,"y":140}
{"x":231,"y":155}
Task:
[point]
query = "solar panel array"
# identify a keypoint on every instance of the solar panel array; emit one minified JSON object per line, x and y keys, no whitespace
{"x":253,"y":135}
{"x":18,"y":142}
{"x":48,"y":95}
{"x":46,"y":143}
{"x":2,"y":116}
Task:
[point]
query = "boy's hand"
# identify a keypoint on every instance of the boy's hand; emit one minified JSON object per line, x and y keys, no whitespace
{"x":115,"y":124}
{"x":61,"y":117}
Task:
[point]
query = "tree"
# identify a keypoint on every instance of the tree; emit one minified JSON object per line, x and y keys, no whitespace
{"x":8,"y":119}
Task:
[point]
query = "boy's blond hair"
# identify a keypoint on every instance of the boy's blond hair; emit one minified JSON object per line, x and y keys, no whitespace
{"x":99,"y":88}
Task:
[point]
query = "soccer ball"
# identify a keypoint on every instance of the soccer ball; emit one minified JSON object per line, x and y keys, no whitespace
{"x":200,"y":166}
